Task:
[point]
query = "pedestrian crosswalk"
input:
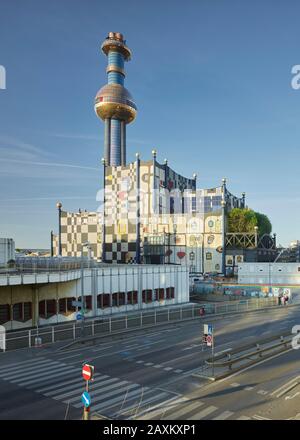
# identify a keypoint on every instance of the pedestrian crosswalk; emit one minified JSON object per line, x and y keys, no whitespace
{"x":185,"y":409}
{"x":112,"y":397}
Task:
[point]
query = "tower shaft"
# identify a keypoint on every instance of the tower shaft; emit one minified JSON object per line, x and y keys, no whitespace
{"x":113,"y":103}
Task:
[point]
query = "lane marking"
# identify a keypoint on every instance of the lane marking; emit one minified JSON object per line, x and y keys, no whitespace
{"x":203,"y":413}
{"x":224,"y":415}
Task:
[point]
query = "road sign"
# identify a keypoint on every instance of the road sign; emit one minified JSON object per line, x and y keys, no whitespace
{"x":210,"y":329}
{"x":79,"y":316}
{"x":86,"y":399}
{"x":205,"y":329}
{"x":87,"y":371}
{"x":209,"y":340}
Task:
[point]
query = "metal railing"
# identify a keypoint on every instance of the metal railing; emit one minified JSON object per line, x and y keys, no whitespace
{"x":105,"y":325}
{"x":249,"y":354}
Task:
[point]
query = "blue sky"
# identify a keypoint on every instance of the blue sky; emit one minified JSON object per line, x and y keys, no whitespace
{"x":212,"y":82}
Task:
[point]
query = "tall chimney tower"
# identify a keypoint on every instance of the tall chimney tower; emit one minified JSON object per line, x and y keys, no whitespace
{"x":113,"y":103}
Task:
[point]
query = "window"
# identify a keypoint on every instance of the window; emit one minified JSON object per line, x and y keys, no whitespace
{"x":51,"y":307}
{"x":115,"y":299}
{"x":194,"y":204}
{"x":4,"y":313}
{"x":27,"y":311}
{"x":62,"y":305}
{"x":121,"y":298}
{"x":106,"y":302}
{"x":88,"y":302}
{"x":42,"y":309}
{"x":18,"y":312}
{"x":159,"y":294}
{"x":99,"y":301}
{"x":170,"y":293}
{"x":135,"y":297}
{"x":70,"y":308}
{"x":147,"y":296}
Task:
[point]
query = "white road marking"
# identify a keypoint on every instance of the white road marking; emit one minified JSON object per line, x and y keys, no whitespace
{"x":248,"y":388}
{"x":263,"y":392}
{"x":182,"y":411}
{"x":292,"y":397}
{"x":257,"y":417}
{"x":224,"y":415}
{"x":112,"y":402}
{"x":286,"y":387}
{"x":203,"y":413}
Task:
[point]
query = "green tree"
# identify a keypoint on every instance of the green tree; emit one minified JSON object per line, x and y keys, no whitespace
{"x":263,"y":223}
{"x":241,"y":220}
{"x":244,"y":220}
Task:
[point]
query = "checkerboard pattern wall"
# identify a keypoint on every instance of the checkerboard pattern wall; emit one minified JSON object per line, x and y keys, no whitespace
{"x":77,"y":228}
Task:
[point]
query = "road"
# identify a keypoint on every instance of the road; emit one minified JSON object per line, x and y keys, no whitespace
{"x":148,"y":374}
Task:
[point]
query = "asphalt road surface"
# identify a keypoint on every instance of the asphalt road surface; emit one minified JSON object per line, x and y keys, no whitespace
{"x":149,"y":375}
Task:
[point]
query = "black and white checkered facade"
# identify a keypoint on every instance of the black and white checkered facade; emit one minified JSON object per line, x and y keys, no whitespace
{"x":151,"y":209}
{"x":78,"y":228}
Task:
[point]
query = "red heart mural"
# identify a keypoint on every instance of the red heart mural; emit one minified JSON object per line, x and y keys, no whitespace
{"x":180,"y":255}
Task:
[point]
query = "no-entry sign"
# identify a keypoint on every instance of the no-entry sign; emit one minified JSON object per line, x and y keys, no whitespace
{"x":87,"y":372}
{"x":209,"y":340}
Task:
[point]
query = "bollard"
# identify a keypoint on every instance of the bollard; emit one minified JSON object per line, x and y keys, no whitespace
{"x":53,"y":336}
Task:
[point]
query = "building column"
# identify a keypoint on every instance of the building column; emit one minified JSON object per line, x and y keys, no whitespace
{"x":138,"y":212}
{"x":35,"y":306}
{"x":51,"y":243}
{"x":123,"y":143}
{"x":59,"y":206}
{"x":107,"y":141}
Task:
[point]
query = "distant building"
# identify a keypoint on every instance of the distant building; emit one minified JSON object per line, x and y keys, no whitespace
{"x":7,"y":251}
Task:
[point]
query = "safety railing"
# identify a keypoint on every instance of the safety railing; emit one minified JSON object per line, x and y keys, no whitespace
{"x":249,"y":354}
{"x":105,"y":325}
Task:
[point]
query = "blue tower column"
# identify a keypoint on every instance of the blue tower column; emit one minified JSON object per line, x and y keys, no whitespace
{"x":123,"y":143}
{"x":107,"y":141}
{"x":115,"y":142}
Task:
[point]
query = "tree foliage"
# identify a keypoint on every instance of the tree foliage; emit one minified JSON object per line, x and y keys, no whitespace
{"x":245,"y":220}
{"x":263,"y":223}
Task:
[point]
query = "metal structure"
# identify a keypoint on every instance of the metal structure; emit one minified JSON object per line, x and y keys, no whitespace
{"x":113,"y":103}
